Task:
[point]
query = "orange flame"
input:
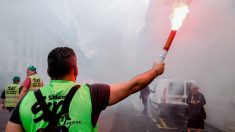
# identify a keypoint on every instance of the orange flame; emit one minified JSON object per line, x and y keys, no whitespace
{"x":178,"y":15}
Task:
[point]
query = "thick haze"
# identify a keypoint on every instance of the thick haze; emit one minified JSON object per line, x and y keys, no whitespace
{"x":117,"y":39}
{"x":203,"y":50}
{"x":108,"y":36}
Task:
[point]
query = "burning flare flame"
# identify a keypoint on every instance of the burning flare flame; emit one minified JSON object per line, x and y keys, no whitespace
{"x":178,"y":15}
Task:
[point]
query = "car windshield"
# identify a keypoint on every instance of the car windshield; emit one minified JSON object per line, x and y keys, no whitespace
{"x":176,"y":88}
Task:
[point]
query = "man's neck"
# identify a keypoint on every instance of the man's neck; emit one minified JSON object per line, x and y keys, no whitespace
{"x":69,"y":79}
{"x":66,"y":77}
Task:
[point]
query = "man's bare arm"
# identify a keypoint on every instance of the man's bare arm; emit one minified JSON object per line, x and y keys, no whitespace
{"x":23,"y":91}
{"x":13,"y":127}
{"x":120,"y":91}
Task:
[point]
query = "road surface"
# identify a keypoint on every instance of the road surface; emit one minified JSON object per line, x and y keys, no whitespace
{"x":127,"y":117}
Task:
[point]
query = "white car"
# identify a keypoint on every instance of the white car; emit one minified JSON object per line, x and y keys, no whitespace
{"x":170,"y":94}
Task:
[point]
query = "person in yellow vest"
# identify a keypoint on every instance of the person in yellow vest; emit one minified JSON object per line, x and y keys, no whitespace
{"x":10,"y":94}
{"x":32,"y":82}
{"x":63,"y":105}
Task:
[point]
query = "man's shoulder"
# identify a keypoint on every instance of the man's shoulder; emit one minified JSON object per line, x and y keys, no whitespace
{"x":34,"y":75}
{"x":98,"y":88}
{"x":200,"y":94}
{"x":27,"y":78}
{"x":8,"y":85}
{"x":97,"y":85}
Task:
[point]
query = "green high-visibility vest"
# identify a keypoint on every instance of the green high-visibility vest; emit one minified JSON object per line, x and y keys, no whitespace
{"x":11,"y":94}
{"x":36,"y":82}
{"x":80,"y":109}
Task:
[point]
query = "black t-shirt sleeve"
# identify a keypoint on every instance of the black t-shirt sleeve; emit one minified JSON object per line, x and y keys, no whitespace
{"x":3,"y":95}
{"x":100,"y":98}
{"x":15,"y":115}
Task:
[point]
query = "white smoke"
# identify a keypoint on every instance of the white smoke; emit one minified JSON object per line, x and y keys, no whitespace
{"x":203,"y":50}
{"x":108,"y":36}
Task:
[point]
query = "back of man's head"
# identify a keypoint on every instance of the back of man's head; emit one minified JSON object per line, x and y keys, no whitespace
{"x":16,"y":79}
{"x":61,"y":61}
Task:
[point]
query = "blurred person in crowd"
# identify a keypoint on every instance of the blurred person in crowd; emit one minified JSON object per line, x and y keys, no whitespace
{"x":32,"y":82}
{"x":196,"y":112}
{"x":10,"y":94}
{"x":144,"y":93}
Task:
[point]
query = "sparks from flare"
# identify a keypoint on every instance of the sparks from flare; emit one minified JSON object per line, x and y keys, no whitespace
{"x":178,"y":16}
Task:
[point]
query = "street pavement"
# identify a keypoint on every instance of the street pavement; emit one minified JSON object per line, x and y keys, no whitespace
{"x":127,"y":117}
{"x":4,"y":115}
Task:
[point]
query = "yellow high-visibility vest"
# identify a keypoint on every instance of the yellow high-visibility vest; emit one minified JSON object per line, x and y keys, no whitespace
{"x":11,"y":94}
{"x":36,"y":82}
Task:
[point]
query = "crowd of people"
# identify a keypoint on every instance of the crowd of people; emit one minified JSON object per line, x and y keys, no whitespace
{"x":64,"y":105}
{"x":13,"y":93}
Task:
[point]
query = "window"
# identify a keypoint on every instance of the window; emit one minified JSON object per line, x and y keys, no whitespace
{"x":176,"y":88}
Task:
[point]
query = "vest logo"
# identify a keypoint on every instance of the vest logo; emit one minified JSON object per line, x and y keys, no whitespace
{"x":36,"y":79}
{"x":11,"y":90}
{"x":36,"y":82}
{"x":55,"y":96}
{"x":64,"y":120}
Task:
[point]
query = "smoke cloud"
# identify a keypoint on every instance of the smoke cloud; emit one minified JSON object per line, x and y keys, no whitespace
{"x":202,"y":50}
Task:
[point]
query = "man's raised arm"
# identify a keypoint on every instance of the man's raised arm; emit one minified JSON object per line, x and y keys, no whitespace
{"x":120,"y":91}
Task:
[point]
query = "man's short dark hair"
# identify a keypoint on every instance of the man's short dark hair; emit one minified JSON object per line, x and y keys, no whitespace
{"x":60,"y":62}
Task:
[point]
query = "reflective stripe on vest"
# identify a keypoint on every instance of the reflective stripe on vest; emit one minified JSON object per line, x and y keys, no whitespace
{"x":80,"y":110}
{"x":11,"y":93}
{"x":36,"y":82}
